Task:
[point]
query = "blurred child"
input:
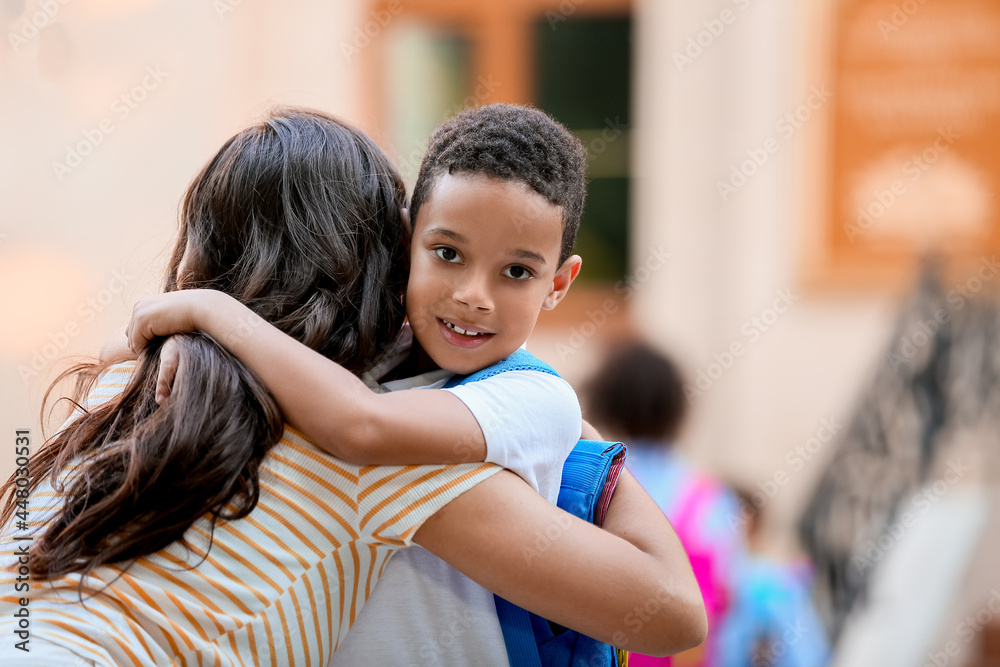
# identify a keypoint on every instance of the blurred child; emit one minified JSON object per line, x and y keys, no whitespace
{"x":771,"y":620}
{"x":637,"y":396}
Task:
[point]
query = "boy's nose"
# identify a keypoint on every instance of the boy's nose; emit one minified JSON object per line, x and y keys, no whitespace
{"x":472,"y":291}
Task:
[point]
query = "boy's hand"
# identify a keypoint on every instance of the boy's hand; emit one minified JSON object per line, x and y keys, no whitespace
{"x":169,"y":360}
{"x":170,"y":313}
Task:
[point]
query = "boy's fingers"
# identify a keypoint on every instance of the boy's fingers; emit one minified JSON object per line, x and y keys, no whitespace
{"x":130,"y":331}
{"x":136,"y":339}
{"x":169,"y":360}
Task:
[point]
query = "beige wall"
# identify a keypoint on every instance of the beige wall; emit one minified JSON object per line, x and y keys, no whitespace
{"x":66,"y":243}
{"x":731,"y":259}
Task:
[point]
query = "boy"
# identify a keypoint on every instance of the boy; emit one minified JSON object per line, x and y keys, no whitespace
{"x":495,"y":213}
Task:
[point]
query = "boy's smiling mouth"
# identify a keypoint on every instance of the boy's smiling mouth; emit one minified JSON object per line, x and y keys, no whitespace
{"x":466,"y":332}
{"x":460,"y":336}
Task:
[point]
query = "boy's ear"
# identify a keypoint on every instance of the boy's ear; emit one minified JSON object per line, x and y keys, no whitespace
{"x":565,"y":276}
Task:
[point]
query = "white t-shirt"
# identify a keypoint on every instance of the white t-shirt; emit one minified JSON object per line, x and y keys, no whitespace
{"x":423,"y":611}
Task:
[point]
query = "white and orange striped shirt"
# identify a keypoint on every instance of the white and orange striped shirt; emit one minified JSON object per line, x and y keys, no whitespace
{"x":279,"y":587}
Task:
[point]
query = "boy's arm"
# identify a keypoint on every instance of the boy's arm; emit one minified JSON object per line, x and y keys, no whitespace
{"x":530,"y":420}
{"x":629,"y":585}
{"x":590,"y":433}
{"x":320,"y":398}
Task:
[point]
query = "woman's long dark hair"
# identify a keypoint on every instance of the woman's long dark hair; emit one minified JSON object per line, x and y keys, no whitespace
{"x":298,"y":217}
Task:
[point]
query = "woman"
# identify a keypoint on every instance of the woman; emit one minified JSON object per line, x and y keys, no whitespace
{"x":192,"y":545}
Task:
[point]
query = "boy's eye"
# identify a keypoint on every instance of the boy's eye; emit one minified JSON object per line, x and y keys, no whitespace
{"x":447,"y":254}
{"x":517,"y":272}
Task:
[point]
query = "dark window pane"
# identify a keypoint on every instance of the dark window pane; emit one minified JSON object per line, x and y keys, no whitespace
{"x":584,"y":69}
{"x":603,"y":238}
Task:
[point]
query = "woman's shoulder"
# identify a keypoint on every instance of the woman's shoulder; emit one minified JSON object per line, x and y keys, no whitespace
{"x":110,"y":382}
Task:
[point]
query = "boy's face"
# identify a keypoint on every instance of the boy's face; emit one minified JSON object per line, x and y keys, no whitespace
{"x":483,"y":263}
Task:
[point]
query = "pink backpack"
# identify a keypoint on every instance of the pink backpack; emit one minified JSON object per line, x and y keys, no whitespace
{"x":687,"y":519}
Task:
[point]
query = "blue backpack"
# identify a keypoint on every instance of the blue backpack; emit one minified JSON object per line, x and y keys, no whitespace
{"x":589,"y":477}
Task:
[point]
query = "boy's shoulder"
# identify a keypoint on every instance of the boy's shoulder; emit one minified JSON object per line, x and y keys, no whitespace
{"x":530,"y":417}
{"x":519,"y":398}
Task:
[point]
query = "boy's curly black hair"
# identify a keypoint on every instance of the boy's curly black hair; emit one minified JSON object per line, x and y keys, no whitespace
{"x":512,"y":143}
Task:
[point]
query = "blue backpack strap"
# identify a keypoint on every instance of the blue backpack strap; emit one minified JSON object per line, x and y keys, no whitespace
{"x":521,"y":360}
{"x":589,"y":478}
{"x":518,"y":635}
